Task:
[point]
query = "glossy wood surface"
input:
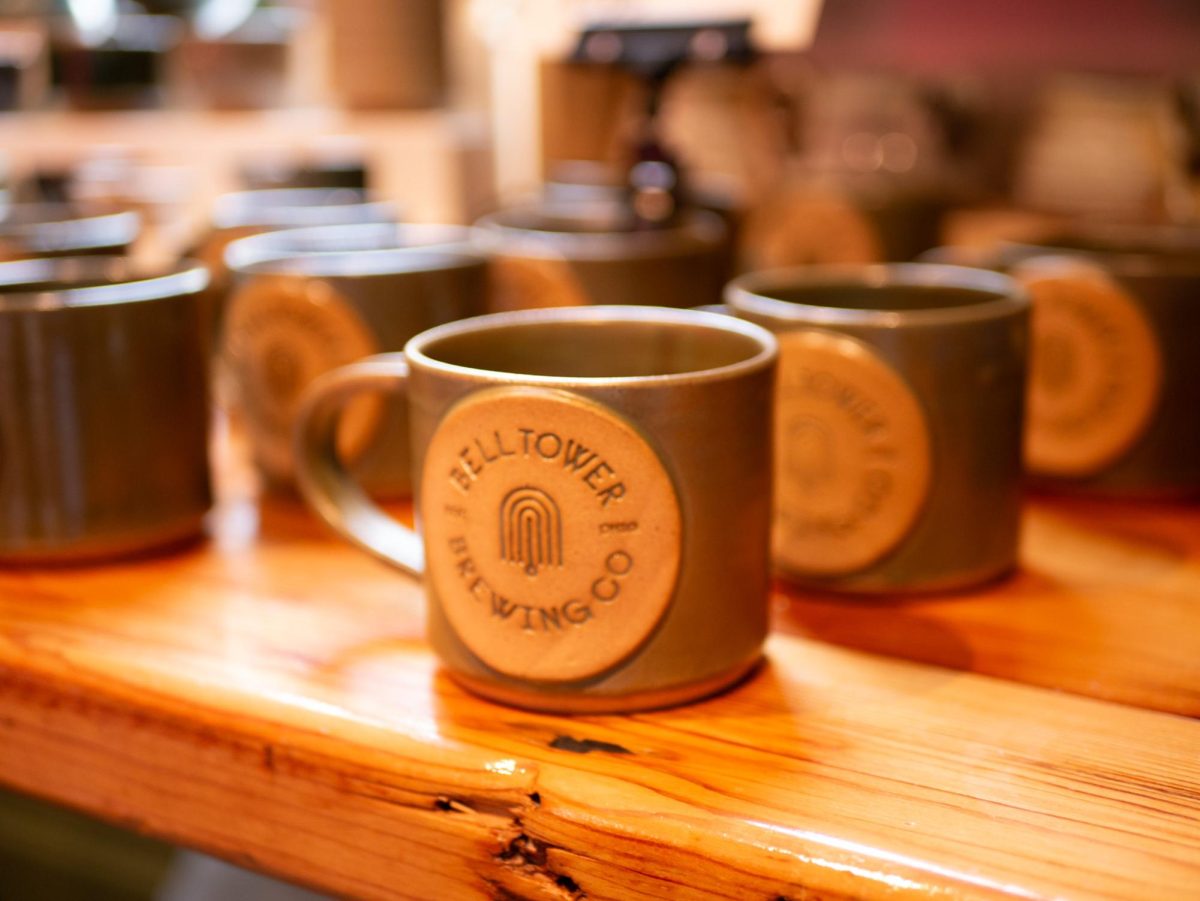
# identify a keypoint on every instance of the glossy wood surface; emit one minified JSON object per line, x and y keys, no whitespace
{"x":1106,"y":603}
{"x":267,"y":695}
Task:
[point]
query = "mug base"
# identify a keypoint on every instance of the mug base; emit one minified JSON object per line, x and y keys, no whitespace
{"x":545,"y":702}
{"x":875,"y":586}
{"x":1100,"y":488}
{"x":103,"y":549}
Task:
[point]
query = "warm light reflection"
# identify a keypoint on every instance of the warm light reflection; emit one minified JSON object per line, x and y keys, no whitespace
{"x":423,"y":729}
{"x":501,"y":767}
{"x":95,"y":20}
{"x":217,"y":18}
{"x":890,"y":879}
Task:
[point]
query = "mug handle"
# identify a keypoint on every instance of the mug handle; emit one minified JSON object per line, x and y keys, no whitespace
{"x":322,"y":476}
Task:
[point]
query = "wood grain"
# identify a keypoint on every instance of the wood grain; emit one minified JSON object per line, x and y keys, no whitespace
{"x":267,"y":696}
{"x":1106,"y":603}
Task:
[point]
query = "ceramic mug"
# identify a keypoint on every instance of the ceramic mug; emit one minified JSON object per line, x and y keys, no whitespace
{"x":294,"y":316}
{"x":593,"y":499}
{"x":841,"y":221}
{"x":1115,"y":387}
{"x":104,"y":410}
{"x":244,"y":213}
{"x":899,"y":413}
{"x":554,"y":254}
{"x":1115,"y":378}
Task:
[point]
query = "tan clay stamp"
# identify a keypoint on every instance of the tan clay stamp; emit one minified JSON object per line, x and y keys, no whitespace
{"x":524,"y":283}
{"x":1096,"y":371}
{"x":281,"y":332}
{"x":852,"y":457}
{"x":552,"y":532}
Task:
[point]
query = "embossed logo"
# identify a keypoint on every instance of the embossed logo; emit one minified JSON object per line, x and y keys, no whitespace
{"x":852,"y":455}
{"x":530,"y":529}
{"x":1096,"y":372}
{"x":281,"y":332}
{"x":552,"y":532}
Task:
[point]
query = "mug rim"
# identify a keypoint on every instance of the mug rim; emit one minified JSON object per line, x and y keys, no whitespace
{"x":699,"y":228}
{"x":127,"y":282}
{"x":299,"y":207}
{"x":748,"y":293}
{"x":415,"y":350}
{"x":358,"y":264}
{"x":59,"y":227}
{"x":267,"y":253}
{"x":1136,"y":261}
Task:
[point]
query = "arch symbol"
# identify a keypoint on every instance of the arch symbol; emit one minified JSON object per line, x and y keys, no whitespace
{"x":530,"y":529}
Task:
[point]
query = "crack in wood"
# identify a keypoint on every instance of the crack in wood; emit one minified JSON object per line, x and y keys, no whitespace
{"x":524,"y":872}
{"x":586,"y":745}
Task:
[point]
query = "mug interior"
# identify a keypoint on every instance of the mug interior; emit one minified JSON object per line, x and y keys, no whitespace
{"x":891,"y":298}
{"x":913,"y":291}
{"x":595,"y":216}
{"x":595,"y":347}
{"x":597,"y":231}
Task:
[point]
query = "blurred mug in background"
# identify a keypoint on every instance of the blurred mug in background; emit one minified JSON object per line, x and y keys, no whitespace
{"x":1115,"y":378}
{"x":104,"y":416}
{"x":899,"y":413}
{"x":555,"y":253}
{"x":300,"y":308}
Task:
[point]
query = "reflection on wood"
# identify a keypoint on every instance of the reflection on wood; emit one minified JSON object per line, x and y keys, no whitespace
{"x":267,"y":696}
{"x":1106,"y":604}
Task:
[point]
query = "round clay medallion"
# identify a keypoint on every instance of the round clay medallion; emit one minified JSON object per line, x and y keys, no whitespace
{"x":804,"y":227}
{"x":281,"y":332}
{"x":552,"y":532}
{"x":852,"y":455}
{"x":1096,"y":371}
{"x":524,"y":283}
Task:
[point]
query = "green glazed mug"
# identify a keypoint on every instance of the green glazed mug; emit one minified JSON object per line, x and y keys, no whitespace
{"x":104,"y":418}
{"x":593,"y":495}
{"x":900,"y":406}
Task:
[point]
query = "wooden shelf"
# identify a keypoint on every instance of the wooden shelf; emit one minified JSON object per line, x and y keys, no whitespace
{"x":267,"y":695}
{"x":434,"y":163}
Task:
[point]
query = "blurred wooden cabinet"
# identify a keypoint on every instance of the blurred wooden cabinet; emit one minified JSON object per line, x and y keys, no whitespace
{"x":386,"y":54}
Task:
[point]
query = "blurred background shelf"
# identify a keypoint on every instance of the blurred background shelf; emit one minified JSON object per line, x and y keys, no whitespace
{"x":434,"y":163}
